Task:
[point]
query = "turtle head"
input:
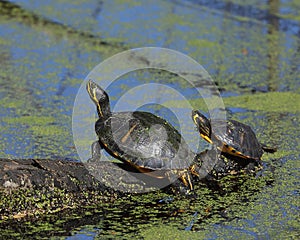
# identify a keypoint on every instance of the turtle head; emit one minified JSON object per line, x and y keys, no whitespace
{"x":203,"y":125}
{"x":100,"y":98}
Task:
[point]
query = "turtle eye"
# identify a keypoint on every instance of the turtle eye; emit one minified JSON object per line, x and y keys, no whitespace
{"x":102,"y":98}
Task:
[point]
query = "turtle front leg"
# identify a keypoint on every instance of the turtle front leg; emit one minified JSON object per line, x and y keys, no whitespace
{"x":96,"y":152}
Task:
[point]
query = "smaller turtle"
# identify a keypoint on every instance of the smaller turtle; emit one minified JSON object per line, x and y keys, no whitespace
{"x":233,"y":138}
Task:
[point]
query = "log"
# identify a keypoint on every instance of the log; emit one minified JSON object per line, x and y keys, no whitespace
{"x":41,"y":186}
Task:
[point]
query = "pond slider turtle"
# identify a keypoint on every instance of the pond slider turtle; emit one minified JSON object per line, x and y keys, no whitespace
{"x":141,"y":139}
{"x":232,"y":138}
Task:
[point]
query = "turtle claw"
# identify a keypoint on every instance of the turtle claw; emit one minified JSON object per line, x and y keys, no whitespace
{"x":179,"y":187}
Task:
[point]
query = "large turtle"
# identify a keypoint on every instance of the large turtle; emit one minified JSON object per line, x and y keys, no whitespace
{"x":141,"y":139}
{"x":232,"y":138}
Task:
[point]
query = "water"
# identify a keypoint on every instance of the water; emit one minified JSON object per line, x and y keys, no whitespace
{"x":251,"y":52}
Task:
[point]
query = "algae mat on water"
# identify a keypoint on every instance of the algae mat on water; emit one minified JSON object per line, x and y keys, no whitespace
{"x":267,"y":102}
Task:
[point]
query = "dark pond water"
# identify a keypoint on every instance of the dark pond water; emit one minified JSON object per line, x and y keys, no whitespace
{"x":251,"y":50}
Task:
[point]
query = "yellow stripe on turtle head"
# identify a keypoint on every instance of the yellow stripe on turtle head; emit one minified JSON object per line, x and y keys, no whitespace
{"x":99,"y":110}
{"x":195,"y":116}
{"x":232,"y":151}
{"x":206,"y":138}
{"x":94,"y":98}
{"x":203,"y":126}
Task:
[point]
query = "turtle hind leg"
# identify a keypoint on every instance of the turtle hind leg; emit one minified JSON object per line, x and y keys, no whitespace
{"x":96,"y":152}
{"x":180,"y":184}
{"x":268,"y":149}
{"x":185,"y":184}
{"x":178,"y":187}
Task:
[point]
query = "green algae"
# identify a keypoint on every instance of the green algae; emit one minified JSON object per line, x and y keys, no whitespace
{"x":266,"y":102}
{"x":49,"y":130}
{"x":24,"y":203}
{"x":268,"y":209}
{"x":32,"y":120}
{"x":11,"y":104}
{"x":163,"y":231}
{"x":39,"y":125}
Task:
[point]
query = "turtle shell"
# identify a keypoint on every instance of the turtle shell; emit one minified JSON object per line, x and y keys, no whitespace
{"x":236,"y":138}
{"x":144,"y":140}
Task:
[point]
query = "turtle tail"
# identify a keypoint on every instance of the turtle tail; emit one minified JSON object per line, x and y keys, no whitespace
{"x":268,"y":149}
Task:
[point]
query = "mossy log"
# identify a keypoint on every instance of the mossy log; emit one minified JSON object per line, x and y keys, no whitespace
{"x":41,"y":186}
{"x":35,"y":186}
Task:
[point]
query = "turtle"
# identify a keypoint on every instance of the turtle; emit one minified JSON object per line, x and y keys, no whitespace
{"x":234,"y":139}
{"x":146,"y":142}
